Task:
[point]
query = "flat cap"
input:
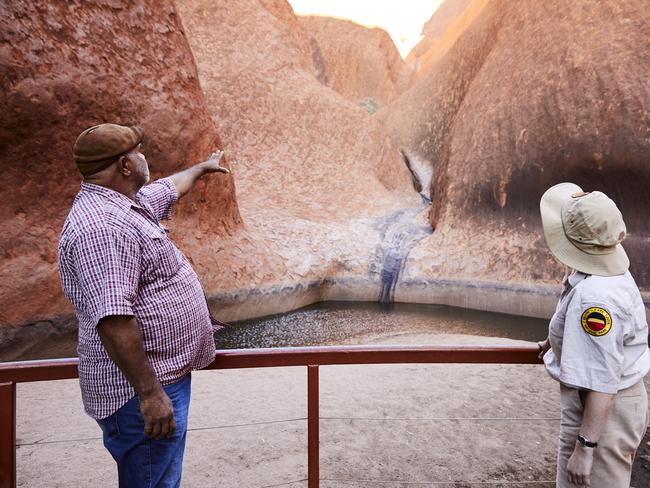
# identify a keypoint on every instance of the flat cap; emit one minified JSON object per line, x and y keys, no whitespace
{"x":96,"y":146}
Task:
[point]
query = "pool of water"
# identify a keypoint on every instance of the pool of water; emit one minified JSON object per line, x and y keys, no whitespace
{"x":326,"y":323}
{"x":329,"y":323}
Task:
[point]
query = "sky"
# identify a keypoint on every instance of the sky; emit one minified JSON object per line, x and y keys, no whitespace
{"x":402,"y":19}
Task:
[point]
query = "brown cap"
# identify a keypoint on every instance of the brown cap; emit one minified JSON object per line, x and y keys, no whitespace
{"x":98,"y":145}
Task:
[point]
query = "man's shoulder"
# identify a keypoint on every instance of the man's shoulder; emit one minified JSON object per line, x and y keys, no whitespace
{"x":89,"y":216}
{"x":157,"y":188}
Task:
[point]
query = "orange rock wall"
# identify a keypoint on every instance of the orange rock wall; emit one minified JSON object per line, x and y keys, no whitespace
{"x":299,"y":145}
{"x":441,"y":35}
{"x":522,"y":94}
{"x":356,"y":61}
{"x":314,"y":170}
{"x":531,"y":94}
{"x":68,"y":65}
{"x":439,"y":25}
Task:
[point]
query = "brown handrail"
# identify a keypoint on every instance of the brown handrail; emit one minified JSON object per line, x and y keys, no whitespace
{"x":311,"y":357}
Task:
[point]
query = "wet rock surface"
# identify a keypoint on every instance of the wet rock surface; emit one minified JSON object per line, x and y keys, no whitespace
{"x":516,"y":97}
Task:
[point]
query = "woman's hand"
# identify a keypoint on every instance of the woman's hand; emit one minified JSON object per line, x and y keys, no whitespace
{"x":544,"y":346}
{"x":579,"y":466}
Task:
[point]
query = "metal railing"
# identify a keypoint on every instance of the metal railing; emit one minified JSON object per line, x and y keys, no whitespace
{"x":311,"y":357}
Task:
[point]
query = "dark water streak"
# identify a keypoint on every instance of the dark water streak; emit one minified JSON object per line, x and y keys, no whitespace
{"x":399,"y":234}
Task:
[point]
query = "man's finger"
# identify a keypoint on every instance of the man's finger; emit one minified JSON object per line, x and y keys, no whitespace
{"x":164,"y":429}
{"x":148,"y":427}
{"x":223,"y":170}
{"x":155,"y":431}
{"x":172,"y":427}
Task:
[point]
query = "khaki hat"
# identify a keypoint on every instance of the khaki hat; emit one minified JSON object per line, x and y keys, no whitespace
{"x":96,"y":147}
{"x":584,"y":230}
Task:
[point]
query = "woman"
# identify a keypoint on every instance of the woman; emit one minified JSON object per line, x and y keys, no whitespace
{"x":597,"y":347}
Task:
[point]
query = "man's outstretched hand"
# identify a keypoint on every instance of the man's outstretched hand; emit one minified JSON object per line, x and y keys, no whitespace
{"x":185,"y":180}
{"x":212,"y":165}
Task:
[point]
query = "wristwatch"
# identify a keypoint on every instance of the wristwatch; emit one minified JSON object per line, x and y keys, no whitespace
{"x":585,"y":443}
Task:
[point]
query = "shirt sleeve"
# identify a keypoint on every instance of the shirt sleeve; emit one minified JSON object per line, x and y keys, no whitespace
{"x":159,"y":197}
{"x":592,"y":349}
{"x":107,"y":265}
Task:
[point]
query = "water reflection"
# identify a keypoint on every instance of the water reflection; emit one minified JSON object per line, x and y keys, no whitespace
{"x":329,"y":323}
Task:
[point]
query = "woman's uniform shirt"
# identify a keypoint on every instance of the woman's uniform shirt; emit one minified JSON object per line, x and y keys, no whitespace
{"x":599,"y":334}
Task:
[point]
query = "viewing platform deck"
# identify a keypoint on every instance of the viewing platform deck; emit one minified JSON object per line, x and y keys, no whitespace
{"x":488,"y":423}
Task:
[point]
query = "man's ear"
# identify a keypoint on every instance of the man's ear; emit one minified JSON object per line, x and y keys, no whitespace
{"x":124,"y":165}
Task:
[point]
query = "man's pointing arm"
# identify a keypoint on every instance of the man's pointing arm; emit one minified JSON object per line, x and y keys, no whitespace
{"x":185,"y":180}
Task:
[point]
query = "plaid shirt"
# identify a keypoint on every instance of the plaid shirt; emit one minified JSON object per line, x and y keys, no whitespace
{"x":116,"y":259}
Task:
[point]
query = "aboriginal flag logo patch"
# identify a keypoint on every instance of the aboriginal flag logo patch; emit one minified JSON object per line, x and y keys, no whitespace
{"x":596,"y":321}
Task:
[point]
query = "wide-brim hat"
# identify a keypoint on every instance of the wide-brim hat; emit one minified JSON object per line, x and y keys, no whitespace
{"x":584,"y":230}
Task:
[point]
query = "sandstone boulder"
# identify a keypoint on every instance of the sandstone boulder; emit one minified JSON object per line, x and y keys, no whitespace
{"x":68,"y":65}
{"x":314,"y":170}
{"x":531,"y":94}
{"x":442,"y":30}
{"x":360,"y":63}
{"x":439,"y":23}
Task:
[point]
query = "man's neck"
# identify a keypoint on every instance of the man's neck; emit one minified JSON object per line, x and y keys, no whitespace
{"x":125,"y":189}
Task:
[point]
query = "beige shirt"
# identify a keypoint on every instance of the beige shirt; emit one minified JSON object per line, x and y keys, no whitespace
{"x":599,"y":334}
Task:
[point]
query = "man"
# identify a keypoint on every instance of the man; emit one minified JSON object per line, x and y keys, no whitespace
{"x":143,"y":319}
{"x":597,"y":347}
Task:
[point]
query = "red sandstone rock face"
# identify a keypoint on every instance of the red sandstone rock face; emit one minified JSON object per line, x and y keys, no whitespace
{"x":443,"y":18}
{"x":442,"y":31}
{"x":298,"y":144}
{"x":311,"y":167}
{"x":524,"y":95}
{"x":531,"y":94}
{"x":66,"y":66}
{"x":436,"y":27}
{"x":358,"y":62}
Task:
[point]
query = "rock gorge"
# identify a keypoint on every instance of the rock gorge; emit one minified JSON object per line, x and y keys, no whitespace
{"x":529,"y":95}
{"x":509,"y":98}
{"x":317,"y":176}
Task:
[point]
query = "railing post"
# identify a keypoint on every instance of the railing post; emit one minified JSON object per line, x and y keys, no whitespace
{"x":8,"y":435}
{"x":313,"y":457}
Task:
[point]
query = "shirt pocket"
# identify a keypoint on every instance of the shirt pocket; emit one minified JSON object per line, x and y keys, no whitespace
{"x":162,"y":261}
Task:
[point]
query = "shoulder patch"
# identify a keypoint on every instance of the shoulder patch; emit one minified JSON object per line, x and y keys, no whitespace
{"x":596,"y":321}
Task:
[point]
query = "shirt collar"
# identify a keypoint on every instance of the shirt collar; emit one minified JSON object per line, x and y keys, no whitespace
{"x":112,"y":195}
{"x":576,"y":277}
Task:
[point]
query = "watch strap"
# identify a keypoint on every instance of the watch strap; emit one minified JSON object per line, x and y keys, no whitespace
{"x":585,"y":443}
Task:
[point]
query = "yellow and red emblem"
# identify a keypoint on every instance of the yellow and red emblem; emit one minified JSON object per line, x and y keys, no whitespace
{"x":596,"y":321}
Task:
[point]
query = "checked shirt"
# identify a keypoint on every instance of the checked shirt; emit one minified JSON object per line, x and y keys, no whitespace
{"x":116,"y":259}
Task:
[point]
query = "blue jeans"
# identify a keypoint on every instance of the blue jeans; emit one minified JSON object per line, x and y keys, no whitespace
{"x":143,"y":462}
